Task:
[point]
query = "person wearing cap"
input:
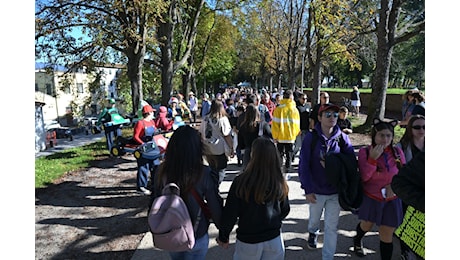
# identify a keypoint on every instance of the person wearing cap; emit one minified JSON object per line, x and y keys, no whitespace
{"x":193,"y":105}
{"x":111,"y":132}
{"x":162,"y":121}
{"x":286,"y":127}
{"x":174,"y":109}
{"x":143,"y":132}
{"x":104,"y":116}
{"x":319,"y":193}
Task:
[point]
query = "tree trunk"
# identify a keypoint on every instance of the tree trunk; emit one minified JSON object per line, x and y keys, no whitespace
{"x":165,"y":33}
{"x":316,"y":84}
{"x":385,"y":42}
{"x":135,"y":56}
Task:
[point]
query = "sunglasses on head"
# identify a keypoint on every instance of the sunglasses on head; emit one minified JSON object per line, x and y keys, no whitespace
{"x":418,"y":127}
{"x":329,"y":114}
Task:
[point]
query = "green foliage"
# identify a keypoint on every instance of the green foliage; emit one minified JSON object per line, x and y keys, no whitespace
{"x":51,"y":167}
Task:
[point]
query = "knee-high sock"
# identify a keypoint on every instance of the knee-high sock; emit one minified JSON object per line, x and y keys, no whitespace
{"x":386,"y":250}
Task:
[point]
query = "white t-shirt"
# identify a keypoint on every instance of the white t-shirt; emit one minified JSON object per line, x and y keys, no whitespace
{"x":220,"y":127}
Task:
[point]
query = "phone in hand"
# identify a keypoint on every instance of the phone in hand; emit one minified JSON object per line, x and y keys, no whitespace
{"x":384,"y":192}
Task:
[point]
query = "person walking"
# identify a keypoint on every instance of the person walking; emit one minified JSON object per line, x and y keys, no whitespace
{"x":216,"y":132}
{"x":110,"y":131}
{"x":143,"y":132}
{"x":251,"y":128}
{"x":319,"y":193}
{"x":286,"y":127}
{"x":205,"y":105}
{"x":409,"y":184}
{"x":323,"y":99}
{"x":355,"y":101}
{"x":304,"y":113}
{"x":412,"y":143}
{"x":183,"y":165}
{"x":193,"y":106}
{"x":378,"y":163}
{"x":258,"y":201}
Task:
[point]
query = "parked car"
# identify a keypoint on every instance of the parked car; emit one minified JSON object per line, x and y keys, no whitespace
{"x":61,"y":131}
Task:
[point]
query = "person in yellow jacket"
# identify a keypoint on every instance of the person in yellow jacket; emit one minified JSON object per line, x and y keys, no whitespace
{"x":286,"y":127}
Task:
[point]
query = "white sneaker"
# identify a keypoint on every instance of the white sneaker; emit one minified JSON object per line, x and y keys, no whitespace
{"x":144,"y":191}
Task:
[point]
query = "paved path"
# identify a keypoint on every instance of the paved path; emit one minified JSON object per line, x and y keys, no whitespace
{"x":78,"y":140}
{"x":294,"y":230}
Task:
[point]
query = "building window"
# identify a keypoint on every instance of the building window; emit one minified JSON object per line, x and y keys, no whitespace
{"x":80,"y":87}
{"x":36,"y":87}
{"x":49,"y":89}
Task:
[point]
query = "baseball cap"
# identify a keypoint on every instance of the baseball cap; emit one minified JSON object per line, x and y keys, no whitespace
{"x":163,"y":109}
{"x":328,"y":106}
{"x":147,"y":109}
{"x":112,"y":101}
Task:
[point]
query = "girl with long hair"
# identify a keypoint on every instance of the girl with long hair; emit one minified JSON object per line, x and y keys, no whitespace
{"x":216,"y":132}
{"x":251,"y":128}
{"x":258,"y":200}
{"x":378,"y":163}
{"x":183,"y":165}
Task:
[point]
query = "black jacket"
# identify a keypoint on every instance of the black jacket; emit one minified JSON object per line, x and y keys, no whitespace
{"x":409,"y":183}
{"x":256,"y":223}
{"x":342,"y":172}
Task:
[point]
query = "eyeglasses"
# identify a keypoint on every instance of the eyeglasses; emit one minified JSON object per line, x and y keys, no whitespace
{"x":418,"y":127}
{"x":329,"y":114}
{"x":325,"y":96}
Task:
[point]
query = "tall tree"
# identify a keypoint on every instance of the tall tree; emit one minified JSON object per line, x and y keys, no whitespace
{"x":392,"y":29}
{"x":111,"y":31}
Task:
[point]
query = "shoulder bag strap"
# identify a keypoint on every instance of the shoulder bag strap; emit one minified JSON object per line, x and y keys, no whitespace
{"x":203,"y":205}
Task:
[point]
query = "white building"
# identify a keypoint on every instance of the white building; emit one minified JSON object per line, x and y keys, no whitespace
{"x":69,"y":97}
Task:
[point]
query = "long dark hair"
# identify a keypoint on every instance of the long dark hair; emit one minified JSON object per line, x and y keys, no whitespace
{"x":263,"y":178}
{"x":408,"y":137}
{"x":251,"y":118}
{"x":183,"y":163}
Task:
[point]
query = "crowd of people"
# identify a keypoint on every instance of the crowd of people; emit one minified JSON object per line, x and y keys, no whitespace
{"x":265,"y":133}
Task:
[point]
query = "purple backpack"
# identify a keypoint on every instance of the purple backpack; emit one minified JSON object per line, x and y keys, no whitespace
{"x":170,"y":222}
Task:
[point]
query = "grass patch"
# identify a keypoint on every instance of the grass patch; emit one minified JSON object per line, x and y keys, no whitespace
{"x":399,"y":91}
{"x":51,"y":167}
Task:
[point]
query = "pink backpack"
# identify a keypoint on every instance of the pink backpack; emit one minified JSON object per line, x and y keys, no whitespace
{"x":170,"y":222}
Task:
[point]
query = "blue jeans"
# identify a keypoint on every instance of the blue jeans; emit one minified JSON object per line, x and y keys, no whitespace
{"x":198,"y":251}
{"x":144,"y":167}
{"x":331,"y":206}
{"x":267,"y":250}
